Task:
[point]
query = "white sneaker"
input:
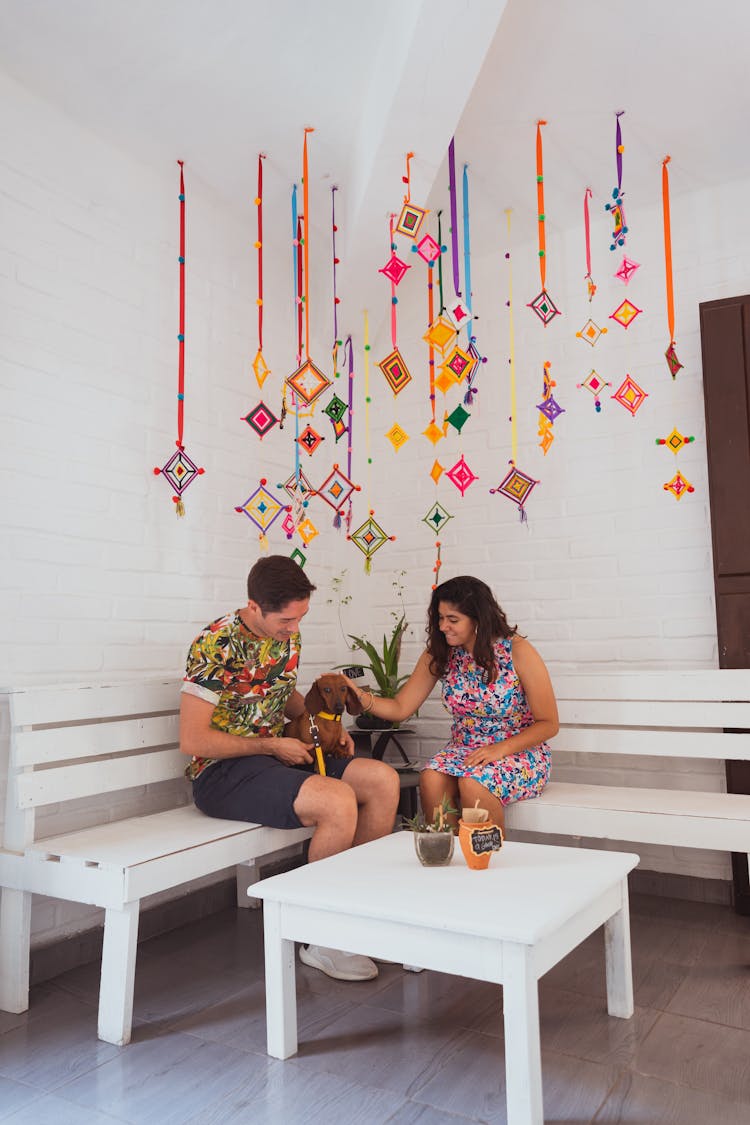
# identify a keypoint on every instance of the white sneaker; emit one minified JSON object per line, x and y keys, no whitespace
{"x":334,"y":963}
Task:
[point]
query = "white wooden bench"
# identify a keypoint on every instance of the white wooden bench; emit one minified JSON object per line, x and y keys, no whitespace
{"x":78,"y":741}
{"x":683,"y":715}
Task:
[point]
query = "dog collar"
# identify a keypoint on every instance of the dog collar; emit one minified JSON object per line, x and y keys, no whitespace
{"x":326,"y":715}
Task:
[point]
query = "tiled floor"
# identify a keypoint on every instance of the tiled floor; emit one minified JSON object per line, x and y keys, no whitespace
{"x":404,"y":1048}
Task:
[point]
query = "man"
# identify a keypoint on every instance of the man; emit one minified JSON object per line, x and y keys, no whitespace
{"x":240,"y":685}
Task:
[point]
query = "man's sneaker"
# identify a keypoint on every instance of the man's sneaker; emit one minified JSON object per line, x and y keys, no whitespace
{"x":334,"y":963}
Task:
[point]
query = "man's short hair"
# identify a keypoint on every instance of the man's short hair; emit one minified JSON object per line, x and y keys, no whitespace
{"x":276,"y":580}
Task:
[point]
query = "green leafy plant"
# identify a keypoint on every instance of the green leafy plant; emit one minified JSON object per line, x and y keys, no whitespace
{"x":382,"y":662}
{"x":439,"y":822}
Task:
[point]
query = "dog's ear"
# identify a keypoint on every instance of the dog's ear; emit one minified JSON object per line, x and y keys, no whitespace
{"x":353,"y":706}
{"x":313,"y":699}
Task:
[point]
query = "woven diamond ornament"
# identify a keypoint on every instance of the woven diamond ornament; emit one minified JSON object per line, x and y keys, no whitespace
{"x":550,"y":408}
{"x":397,"y":437}
{"x":288,"y":526}
{"x":544,"y":307}
{"x":428,"y":249}
{"x":394,"y":269}
{"x":437,"y":517}
{"x":594,"y":384}
{"x":336,"y":409}
{"x":298,"y":557}
{"x":458,"y":417}
{"x":440,"y":334}
{"x":308,"y":381}
{"x":675,"y":441}
{"x":678,"y":486}
{"x":433,"y":433}
{"x":436,"y":471}
{"x":517,"y":486}
{"x":395,"y":370}
{"x":630,"y":395}
{"x":411,"y":219}
{"x":310,"y":439}
{"x":262,"y":509}
{"x":461,"y":475}
{"x":180,"y":471}
{"x":369,"y":537}
{"x":307,"y":531}
{"x":546,"y":435}
{"x":260,"y":368}
{"x":626,"y":269}
{"x":261,"y":419}
{"x":297,"y":484}
{"x":672,"y":361}
{"x":617,"y":213}
{"x":625,"y":313}
{"x":336,"y":489}
{"x":444,"y":380}
{"x":458,"y":312}
{"x":459,"y":363}
{"x":590,"y":332}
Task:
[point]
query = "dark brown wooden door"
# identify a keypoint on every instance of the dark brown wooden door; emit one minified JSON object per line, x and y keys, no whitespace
{"x":725,"y":345}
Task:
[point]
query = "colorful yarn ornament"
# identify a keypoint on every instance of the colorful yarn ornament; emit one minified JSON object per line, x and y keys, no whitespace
{"x":461,"y":475}
{"x":670,"y":354}
{"x":630,"y":395}
{"x":517,"y":486}
{"x":369,"y":538}
{"x":260,"y":367}
{"x":549,"y":410}
{"x":593,"y":383}
{"x":262,"y":509}
{"x":261,"y":419}
{"x":675,"y":441}
{"x":590,"y":332}
{"x":336,"y":490}
{"x":411,"y":218}
{"x":436,"y":518}
{"x":615,"y":208}
{"x":590,"y":286}
{"x":543,"y":305}
{"x":625,"y":313}
{"x":678,"y":486}
{"x":179,"y":469}
{"x":626,"y":269}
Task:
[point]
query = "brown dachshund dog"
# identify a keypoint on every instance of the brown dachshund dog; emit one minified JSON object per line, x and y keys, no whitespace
{"x":326,"y":701}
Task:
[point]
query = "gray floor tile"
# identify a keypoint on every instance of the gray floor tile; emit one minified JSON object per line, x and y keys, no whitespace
{"x":50,"y":1109}
{"x":698,"y":1054}
{"x":638,"y":1099}
{"x":15,"y":1096}
{"x":717,"y":988}
{"x":456,"y":1001}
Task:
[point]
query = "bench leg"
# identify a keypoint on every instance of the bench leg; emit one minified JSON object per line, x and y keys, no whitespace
{"x":618,"y":959}
{"x":247,"y":874}
{"x":15,"y":938}
{"x":523,"y":1053}
{"x":281,"y":992}
{"x":118,"y":974}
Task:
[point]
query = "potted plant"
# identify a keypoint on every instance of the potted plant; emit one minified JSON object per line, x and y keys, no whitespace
{"x":433,"y":839}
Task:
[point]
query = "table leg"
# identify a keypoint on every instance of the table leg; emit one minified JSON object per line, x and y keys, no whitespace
{"x":523,"y":1056}
{"x":619,"y":965}
{"x":281,"y":993}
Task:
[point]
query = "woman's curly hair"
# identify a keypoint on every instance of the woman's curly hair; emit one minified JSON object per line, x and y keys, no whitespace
{"x":474,"y":599}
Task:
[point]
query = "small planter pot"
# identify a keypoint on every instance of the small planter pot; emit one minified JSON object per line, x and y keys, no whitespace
{"x":478,"y":842}
{"x":434,"y":849}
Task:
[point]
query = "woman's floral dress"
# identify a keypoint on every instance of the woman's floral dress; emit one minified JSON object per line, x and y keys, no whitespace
{"x":485,"y":713}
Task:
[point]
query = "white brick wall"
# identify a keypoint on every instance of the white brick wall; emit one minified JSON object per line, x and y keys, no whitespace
{"x":101,"y":579}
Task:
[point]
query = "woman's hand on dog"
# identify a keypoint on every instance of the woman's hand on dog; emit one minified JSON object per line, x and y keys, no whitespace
{"x":292,"y":752}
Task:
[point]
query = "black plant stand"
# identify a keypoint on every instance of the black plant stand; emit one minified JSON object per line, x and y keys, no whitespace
{"x":374,"y":743}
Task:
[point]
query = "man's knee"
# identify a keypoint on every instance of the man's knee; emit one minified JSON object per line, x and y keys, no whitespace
{"x":323,"y":799}
{"x":373,"y":782}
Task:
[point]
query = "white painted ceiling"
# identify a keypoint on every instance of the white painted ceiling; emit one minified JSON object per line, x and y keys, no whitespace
{"x":216,"y":81}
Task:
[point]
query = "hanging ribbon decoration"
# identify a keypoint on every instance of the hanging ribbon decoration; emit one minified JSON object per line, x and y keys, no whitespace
{"x":542,"y":305}
{"x":671,"y":355}
{"x":616,"y":208}
{"x":306,"y":246}
{"x":440,"y":263}
{"x":367,"y":403}
{"x":454,"y":215}
{"x":407,"y":177}
{"x":591,"y":287}
{"x":336,"y":301}
{"x":472,"y":350}
{"x":179,"y":470}
{"x":349,"y":347}
{"x":260,"y":367}
{"x":394,"y":298}
{"x":430,"y":345}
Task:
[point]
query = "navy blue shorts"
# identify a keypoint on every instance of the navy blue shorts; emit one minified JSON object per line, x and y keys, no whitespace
{"x":258,"y":788}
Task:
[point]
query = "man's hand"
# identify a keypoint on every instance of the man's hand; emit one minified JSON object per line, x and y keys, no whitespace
{"x":346,"y":742}
{"x":292,"y":752}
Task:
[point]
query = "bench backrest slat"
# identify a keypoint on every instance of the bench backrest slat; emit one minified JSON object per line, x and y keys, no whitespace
{"x":78,"y":703}
{"x":708,"y":684}
{"x":656,"y":713}
{"x":48,"y":787}
{"x":57,"y":744}
{"x":677,"y":744}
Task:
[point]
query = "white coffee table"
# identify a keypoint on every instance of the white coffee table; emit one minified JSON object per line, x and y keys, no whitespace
{"x":509,"y":924}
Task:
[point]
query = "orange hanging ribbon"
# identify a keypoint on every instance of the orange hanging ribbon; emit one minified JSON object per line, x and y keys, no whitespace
{"x":668,"y":247}
{"x":540,"y":203}
{"x":306,"y":207}
{"x":407,"y":177}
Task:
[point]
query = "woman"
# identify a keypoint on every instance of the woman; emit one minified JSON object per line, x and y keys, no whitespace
{"x":498,"y":691}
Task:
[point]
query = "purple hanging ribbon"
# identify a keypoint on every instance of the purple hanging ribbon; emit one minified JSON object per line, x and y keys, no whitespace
{"x":454,"y":215}
{"x":350,"y":371}
{"x":618,"y":148}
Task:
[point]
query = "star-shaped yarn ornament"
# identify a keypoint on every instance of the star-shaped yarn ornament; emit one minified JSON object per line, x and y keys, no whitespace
{"x":630,"y":395}
{"x":544,"y":307}
{"x":590,"y":332}
{"x":626,"y":269}
{"x":428,"y":249}
{"x":625,"y":313}
{"x":433,"y":433}
{"x":550,"y":408}
{"x":394,"y":269}
{"x":180,"y":471}
{"x":397,"y":437}
{"x":458,"y":312}
{"x":307,"y":531}
{"x":437,"y":517}
{"x":440,"y":334}
{"x":458,"y":363}
{"x":517,"y":486}
{"x":461,"y":475}
{"x":395,"y":370}
{"x":594,"y":384}
{"x":261,"y":419}
{"x":260,"y":368}
{"x":297,"y":485}
{"x":678,"y":486}
{"x":458,"y":417}
{"x":369,"y":537}
{"x":336,"y":489}
{"x":261,"y":508}
{"x":310,"y":439}
{"x":675,"y":441}
{"x":672,"y":361}
{"x":411,"y":219}
{"x":308,"y":381}
{"x":436,"y":471}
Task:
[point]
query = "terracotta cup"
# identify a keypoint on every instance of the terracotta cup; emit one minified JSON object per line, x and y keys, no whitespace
{"x":478,"y":842}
